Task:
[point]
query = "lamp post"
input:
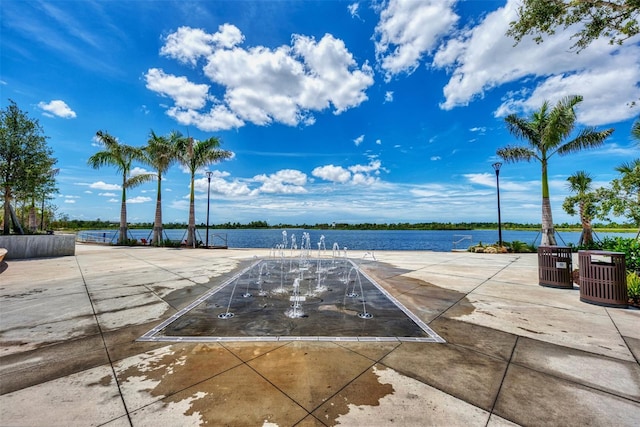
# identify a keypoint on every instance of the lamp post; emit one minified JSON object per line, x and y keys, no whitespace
{"x":496,"y":167}
{"x":209,"y":173}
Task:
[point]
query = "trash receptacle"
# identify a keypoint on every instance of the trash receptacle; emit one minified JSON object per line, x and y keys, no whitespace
{"x":603,"y":278}
{"x":555,"y":266}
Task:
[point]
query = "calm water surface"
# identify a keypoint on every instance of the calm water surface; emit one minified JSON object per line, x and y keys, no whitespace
{"x":396,"y":240}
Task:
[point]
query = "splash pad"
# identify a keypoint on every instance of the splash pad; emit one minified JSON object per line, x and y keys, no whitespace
{"x":286,"y":298}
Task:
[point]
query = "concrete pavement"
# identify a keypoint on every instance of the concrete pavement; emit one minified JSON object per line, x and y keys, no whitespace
{"x":516,"y":353}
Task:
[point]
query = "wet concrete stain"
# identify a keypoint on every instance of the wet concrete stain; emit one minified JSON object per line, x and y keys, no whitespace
{"x":366,"y":390}
{"x":209,"y":379}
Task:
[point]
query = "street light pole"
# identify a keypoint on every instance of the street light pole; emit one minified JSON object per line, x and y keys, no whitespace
{"x":496,"y":167}
{"x":209,"y":173}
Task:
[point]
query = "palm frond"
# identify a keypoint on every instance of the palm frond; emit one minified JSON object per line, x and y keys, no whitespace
{"x":587,"y":138}
{"x":512,"y":154}
{"x":134,"y":181}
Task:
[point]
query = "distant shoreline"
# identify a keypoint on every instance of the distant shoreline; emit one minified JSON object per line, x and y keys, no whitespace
{"x":463,"y":226}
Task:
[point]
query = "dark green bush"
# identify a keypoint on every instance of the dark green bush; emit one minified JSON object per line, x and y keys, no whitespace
{"x":629,"y":246}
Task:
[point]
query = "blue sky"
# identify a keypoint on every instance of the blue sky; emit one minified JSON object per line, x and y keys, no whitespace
{"x":336,"y":111}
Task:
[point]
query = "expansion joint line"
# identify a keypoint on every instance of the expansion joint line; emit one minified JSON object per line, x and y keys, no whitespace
{"x":493,"y":407}
{"x":623,"y":340}
{"x":476,"y":287}
{"x":104,"y":343}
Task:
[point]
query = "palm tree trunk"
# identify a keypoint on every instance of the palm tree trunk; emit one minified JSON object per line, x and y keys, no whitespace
{"x":191,"y":229}
{"x":123,"y":214}
{"x":548,"y":232}
{"x":157,"y":223}
{"x":586,"y":238}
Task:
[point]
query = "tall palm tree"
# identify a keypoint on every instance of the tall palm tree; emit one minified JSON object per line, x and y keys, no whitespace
{"x":195,"y":155}
{"x":585,"y":199}
{"x":545,"y":132}
{"x":160,"y":153}
{"x":121,"y":156}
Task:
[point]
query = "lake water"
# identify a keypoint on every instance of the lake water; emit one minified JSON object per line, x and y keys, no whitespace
{"x":395,"y":240}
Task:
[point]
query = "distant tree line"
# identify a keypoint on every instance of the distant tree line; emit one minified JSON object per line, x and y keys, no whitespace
{"x":74,"y":224}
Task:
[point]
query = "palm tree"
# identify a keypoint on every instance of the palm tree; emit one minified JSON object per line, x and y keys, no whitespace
{"x":545,"y":132}
{"x":160,"y":153}
{"x":585,"y":199}
{"x":195,"y":155}
{"x":121,"y":156}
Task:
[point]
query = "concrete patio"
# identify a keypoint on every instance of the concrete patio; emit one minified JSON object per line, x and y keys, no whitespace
{"x":516,"y":353}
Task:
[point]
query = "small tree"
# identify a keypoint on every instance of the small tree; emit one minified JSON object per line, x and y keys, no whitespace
{"x":25,"y":159}
{"x":586,"y":201}
{"x":121,"y":156}
{"x":623,"y":196}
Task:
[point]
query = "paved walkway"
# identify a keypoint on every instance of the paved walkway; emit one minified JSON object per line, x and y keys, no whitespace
{"x":516,"y":352}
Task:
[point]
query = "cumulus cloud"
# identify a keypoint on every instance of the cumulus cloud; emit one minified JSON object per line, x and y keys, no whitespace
{"x":388,"y":96}
{"x":355,"y":174}
{"x":358,"y":140}
{"x":481,"y":58}
{"x":261,"y":85}
{"x":57,"y":108}
{"x":187,"y":45}
{"x":139,"y":199}
{"x":286,"y":181}
{"x":332,"y":173}
{"x":101,"y":185}
{"x":407,"y":30}
{"x":185,"y":94}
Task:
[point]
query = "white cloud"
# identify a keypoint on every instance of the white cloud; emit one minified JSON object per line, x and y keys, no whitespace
{"x":187,"y":45}
{"x":353,"y":10}
{"x":482,"y":58}
{"x":286,"y":181}
{"x":378,"y":141}
{"x":138,"y":171}
{"x":184,"y":93}
{"x":69,"y":201}
{"x":407,"y":30}
{"x":107,"y":194}
{"x":355,"y":174}
{"x":434,"y":158}
{"x":57,"y":108}
{"x":388,"y":96}
{"x":332,"y":173}
{"x":606,"y":89}
{"x":101,"y":185}
{"x":139,"y":199}
{"x":261,"y":85}
{"x":358,"y":140}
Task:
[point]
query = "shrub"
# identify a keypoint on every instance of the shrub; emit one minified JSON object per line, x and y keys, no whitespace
{"x":633,"y":286}
{"x":629,"y":246}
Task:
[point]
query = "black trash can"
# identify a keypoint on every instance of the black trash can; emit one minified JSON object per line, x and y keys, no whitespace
{"x":603,"y":278}
{"x":555,"y":267}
